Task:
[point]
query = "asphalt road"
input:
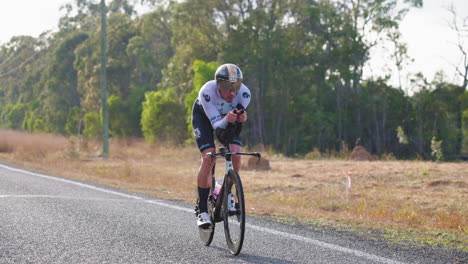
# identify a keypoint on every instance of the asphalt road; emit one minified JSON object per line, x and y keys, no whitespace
{"x":47,"y":219}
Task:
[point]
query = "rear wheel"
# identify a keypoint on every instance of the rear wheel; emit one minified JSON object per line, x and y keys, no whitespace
{"x":206,"y":234}
{"x":234,"y":220}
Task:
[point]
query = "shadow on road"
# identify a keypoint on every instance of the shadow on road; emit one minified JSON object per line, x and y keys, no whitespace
{"x":251,"y":258}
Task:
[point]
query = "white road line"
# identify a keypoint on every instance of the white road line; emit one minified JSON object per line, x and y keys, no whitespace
{"x":70,"y":181}
{"x":325,"y":245}
{"x":57,"y":197}
{"x":250,"y":226}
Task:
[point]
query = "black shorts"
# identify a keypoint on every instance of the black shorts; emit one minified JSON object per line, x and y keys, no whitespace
{"x":202,"y":129}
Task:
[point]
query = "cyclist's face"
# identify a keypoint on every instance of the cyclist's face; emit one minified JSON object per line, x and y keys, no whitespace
{"x":228,"y":90}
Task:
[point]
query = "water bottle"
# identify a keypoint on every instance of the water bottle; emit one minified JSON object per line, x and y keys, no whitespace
{"x":217,"y":189}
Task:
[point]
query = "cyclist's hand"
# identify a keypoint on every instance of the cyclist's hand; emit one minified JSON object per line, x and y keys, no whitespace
{"x":242,"y":117}
{"x":231,"y":117}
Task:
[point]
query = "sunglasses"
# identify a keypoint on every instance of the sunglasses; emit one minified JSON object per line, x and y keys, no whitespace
{"x":229,"y":86}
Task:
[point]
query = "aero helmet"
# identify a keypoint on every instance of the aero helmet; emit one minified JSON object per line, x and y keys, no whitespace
{"x":228,"y":76}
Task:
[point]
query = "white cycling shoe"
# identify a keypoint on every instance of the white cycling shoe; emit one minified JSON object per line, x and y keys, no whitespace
{"x":204,"y":220}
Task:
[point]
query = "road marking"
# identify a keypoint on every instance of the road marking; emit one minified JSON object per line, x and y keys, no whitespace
{"x":71,"y":182}
{"x":325,"y":245}
{"x":57,"y":197}
{"x":184,"y":209}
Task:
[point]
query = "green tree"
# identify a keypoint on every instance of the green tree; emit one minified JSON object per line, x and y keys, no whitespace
{"x":447,"y":118}
{"x":61,"y":86}
{"x":121,"y":30}
{"x":193,"y":37}
{"x":464,"y":110}
{"x":465,"y":132}
{"x":22,"y":61}
{"x":151,"y":49}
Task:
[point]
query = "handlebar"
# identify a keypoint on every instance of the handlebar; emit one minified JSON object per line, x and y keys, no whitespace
{"x":223,"y":154}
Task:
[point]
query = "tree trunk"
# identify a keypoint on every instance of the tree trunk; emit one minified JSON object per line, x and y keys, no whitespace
{"x":376,"y":124}
{"x":385,"y":138}
{"x":420,"y":130}
{"x":339,"y":109}
{"x":357,"y":91}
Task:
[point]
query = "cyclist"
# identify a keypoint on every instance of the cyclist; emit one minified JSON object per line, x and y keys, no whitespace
{"x":219,"y":109}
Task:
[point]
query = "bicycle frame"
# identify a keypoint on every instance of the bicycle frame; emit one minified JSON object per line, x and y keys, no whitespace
{"x":225,"y":152}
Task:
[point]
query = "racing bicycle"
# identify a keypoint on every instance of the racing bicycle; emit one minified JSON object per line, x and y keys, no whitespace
{"x":228,"y":205}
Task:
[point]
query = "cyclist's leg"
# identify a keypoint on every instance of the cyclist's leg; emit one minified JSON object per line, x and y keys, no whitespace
{"x":204,"y":173}
{"x":204,"y":179}
{"x":203,"y":132}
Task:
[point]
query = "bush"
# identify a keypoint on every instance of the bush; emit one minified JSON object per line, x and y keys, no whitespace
{"x":119,"y":117}
{"x":28,"y":121}
{"x":39,"y":126}
{"x":203,"y":72}
{"x":163,"y":118}
{"x":72,"y":125}
{"x":92,"y":125}
{"x":16,"y":116}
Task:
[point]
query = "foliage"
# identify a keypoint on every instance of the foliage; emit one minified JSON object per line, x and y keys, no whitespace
{"x":119,"y":117}
{"x":302,"y":60}
{"x":74,"y":121}
{"x":402,"y":138}
{"x":39,"y":125}
{"x":92,"y":125}
{"x":16,"y":116}
{"x":203,"y":72}
{"x":436,"y":149}
{"x":162,"y":118}
{"x":60,"y":84}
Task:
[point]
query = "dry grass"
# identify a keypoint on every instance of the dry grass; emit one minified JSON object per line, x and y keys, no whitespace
{"x":402,"y":195}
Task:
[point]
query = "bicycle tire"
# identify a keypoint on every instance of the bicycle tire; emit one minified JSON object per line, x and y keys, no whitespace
{"x":206,"y":234}
{"x":234,"y":222}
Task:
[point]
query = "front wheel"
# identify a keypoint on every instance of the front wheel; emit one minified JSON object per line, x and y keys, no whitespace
{"x":234,"y":212}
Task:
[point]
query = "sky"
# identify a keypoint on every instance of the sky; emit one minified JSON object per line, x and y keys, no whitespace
{"x":431,"y":42}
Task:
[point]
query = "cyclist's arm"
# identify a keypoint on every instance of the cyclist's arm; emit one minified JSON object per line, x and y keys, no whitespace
{"x":244,"y":97}
{"x":243,"y":102}
{"x":212,"y":113}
